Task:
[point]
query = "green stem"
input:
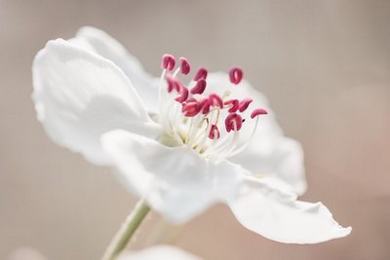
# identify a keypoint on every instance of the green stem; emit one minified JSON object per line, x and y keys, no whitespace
{"x":127,"y":230}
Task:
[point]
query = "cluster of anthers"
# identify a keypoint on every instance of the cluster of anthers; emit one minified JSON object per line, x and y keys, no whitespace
{"x":197,"y":120}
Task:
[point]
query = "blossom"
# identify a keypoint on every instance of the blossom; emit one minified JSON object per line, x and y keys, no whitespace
{"x":159,"y":252}
{"x":181,"y":146}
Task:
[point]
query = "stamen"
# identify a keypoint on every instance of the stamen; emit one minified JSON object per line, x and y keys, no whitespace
{"x":183,"y":94}
{"x":244,"y":104}
{"x":199,"y":136}
{"x":177,"y":70}
{"x":184,"y":66}
{"x":173,"y":84}
{"x":234,"y":103}
{"x":218,"y":146}
{"x":168,"y":62}
{"x":236,"y":75}
{"x":201,"y":74}
{"x":247,"y":142}
{"x":199,"y":87}
{"x":214,"y":132}
{"x":216,"y":100}
{"x":233,"y":122}
{"x":205,"y":105}
{"x":191,"y":109}
{"x":225,"y":146}
{"x":172,"y":117}
{"x":195,"y":123}
{"x":258,"y":111}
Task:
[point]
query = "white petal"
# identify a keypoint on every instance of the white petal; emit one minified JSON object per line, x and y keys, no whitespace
{"x":263,"y":207}
{"x":279,"y":157}
{"x":161,"y":252}
{"x":103,"y":44}
{"x":269,"y":153}
{"x":175,"y":181}
{"x":79,"y":95}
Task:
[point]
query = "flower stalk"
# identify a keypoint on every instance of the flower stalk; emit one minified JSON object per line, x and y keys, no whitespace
{"x":127,"y":230}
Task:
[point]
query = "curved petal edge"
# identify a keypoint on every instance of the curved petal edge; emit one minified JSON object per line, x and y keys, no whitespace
{"x":264,"y":208}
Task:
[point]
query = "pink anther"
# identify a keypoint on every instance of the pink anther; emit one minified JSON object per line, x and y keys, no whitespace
{"x":205,"y":106}
{"x":234,"y":105}
{"x":191,"y":109}
{"x":214,"y":132}
{"x":244,"y":104}
{"x":235,"y":75}
{"x":216,"y":100}
{"x":199,"y":87}
{"x":201,"y":74}
{"x":184,"y":66}
{"x":168,"y":62}
{"x":173,"y":84}
{"x":258,"y":111}
{"x":233,"y":122}
{"x":184,"y":93}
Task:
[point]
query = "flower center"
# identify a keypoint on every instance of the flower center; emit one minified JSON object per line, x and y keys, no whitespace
{"x":208,"y":123}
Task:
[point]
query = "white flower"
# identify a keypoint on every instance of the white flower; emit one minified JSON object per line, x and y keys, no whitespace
{"x":160,"y":252}
{"x":182,"y":149}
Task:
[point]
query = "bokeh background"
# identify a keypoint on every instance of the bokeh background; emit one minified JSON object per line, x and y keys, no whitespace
{"x":323,"y":64}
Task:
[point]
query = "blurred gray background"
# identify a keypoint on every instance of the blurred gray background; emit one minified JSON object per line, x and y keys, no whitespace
{"x":323,"y":64}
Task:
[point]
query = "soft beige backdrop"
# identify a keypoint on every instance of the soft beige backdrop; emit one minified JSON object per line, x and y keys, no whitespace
{"x":323,"y":64}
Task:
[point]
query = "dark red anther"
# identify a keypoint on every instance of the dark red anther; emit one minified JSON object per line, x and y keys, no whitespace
{"x":214,"y":132}
{"x":168,"y":62}
{"x":184,"y":66}
{"x":183,"y":94}
{"x":199,"y":87}
{"x":235,"y":75}
{"x":244,"y":104}
{"x":191,"y":109}
{"x":201,"y":74}
{"x":173,"y":84}
{"x":216,"y":100}
{"x":234,"y":105}
{"x":233,"y":122}
{"x":258,"y":111}
{"x":206,"y":105}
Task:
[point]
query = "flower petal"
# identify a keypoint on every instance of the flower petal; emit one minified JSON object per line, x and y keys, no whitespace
{"x":279,"y":157}
{"x":176,"y":182}
{"x":103,"y":44}
{"x":263,"y":207}
{"x":269,"y":152}
{"x":160,"y":252}
{"x":79,"y":95}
